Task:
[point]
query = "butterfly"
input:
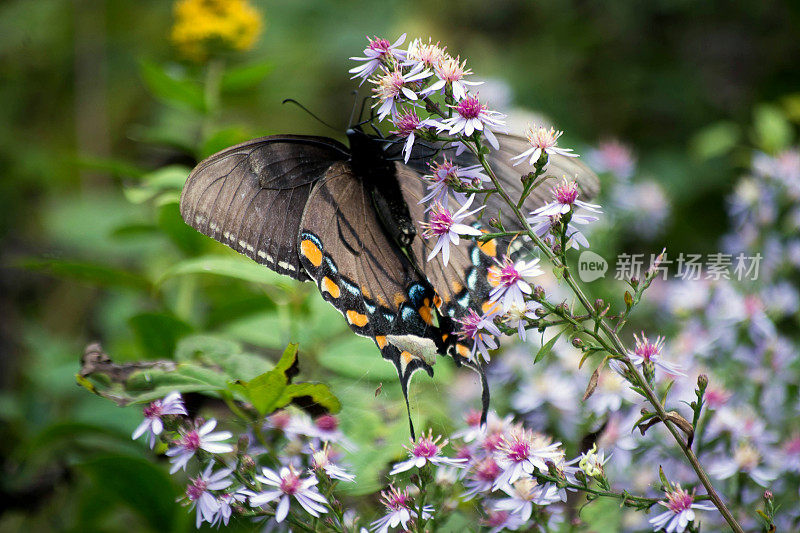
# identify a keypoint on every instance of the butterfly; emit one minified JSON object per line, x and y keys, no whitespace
{"x":348,"y":219}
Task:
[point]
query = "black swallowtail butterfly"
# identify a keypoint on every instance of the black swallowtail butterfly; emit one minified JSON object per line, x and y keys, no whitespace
{"x":348,"y":219}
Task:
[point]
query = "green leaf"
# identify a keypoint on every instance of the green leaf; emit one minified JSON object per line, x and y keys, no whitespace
{"x":142,"y":486}
{"x":230,"y":266}
{"x":265,"y":390}
{"x":180,"y":233}
{"x":772,"y":132}
{"x":244,"y":77}
{"x":87,"y":272}
{"x":223,"y":139}
{"x":309,"y":395}
{"x":547,"y":347}
{"x":171,"y":89}
{"x":153,"y":184}
{"x":158,"y":333}
{"x":715,"y":140}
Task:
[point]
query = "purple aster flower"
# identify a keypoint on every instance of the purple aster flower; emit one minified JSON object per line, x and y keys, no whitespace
{"x":393,"y":86}
{"x":523,"y":494}
{"x":377,"y":51}
{"x":400,"y":510}
{"x":614,"y":157}
{"x":408,"y":124}
{"x":481,"y":477}
{"x":446,"y":175}
{"x":566,"y":196}
{"x":426,"y":450}
{"x":521,"y":452}
{"x":198,"y":492}
{"x":499,"y":521}
{"x":452,"y":71}
{"x":322,"y":460}
{"x":680,"y":511}
{"x":288,"y":485}
{"x":508,"y":279}
{"x":226,"y":501}
{"x":172,"y":404}
{"x":548,"y":227}
{"x":650,"y":352}
{"x":447,"y":227}
{"x":542,"y":141}
{"x":198,"y":439}
{"x":471,"y":116}
{"x":481,"y":330}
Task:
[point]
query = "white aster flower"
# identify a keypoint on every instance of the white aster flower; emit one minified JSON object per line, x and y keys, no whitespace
{"x":542,"y":141}
{"x":198,"y":492}
{"x":288,"y":485}
{"x":452,"y":71}
{"x":198,"y":439}
{"x":680,"y":511}
{"x":522,"y":452}
{"x":566,"y":197}
{"x":650,"y":352}
{"x":447,"y":227}
{"x":408,"y":124}
{"x":377,"y":51}
{"x":548,"y":228}
{"x":471,"y":116}
{"x":171,"y":404}
{"x":445,"y":176}
{"x":508,"y":278}
{"x":322,"y":460}
{"x":426,"y":450}
{"x":400,"y":510}
{"x":481,"y":330}
{"x":523,"y":494}
{"x":393,"y":86}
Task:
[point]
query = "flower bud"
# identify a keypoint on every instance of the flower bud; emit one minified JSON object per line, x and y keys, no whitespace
{"x":247,"y":463}
{"x":599,"y":304}
{"x":540,"y":312}
{"x":556,"y":249}
{"x":538,"y":293}
{"x":702,"y":381}
{"x":768,"y":495}
{"x":242,"y":444}
{"x":576,"y":342}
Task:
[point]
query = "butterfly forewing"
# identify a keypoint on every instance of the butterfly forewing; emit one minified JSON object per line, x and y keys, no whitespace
{"x":251,"y":196}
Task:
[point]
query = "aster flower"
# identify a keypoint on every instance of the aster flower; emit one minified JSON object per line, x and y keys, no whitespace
{"x":593,"y":461}
{"x":393,"y":86}
{"x":498,"y":521}
{"x":377,"y":51}
{"x":481,"y":477}
{"x":426,"y":450}
{"x":400,"y":510}
{"x":326,"y":429}
{"x":408,"y":124}
{"x":200,"y":438}
{"x":650,"y":352}
{"x":518,"y":316}
{"x":471,"y":116}
{"x":226,"y":501}
{"x":614,"y":157}
{"x":680,"y":511}
{"x":508,"y":279}
{"x":481,"y":330}
{"x":474,"y":431}
{"x":522,"y":452}
{"x":548,"y":228}
{"x":321,"y":460}
{"x":447,"y":227}
{"x":747,"y":459}
{"x":446,"y":175}
{"x":198,"y":492}
{"x":542,"y":141}
{"x":171,"y":404}
{"x":523,"y":494}
{"x":289,"y":485}
{"x":566,"y":471}
{"x":427,"y":54}
{"x":566,"y":196}
{"x":452,"y":71}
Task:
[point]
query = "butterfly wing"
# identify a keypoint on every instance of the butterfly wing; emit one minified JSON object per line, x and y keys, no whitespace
{"x":251,"y":196}
{"x":365,"y":275}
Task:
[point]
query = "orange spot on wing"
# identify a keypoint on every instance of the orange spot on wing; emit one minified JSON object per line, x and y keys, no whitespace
{"x":489,"y":306}
{"x":329,"y":286}
{"x":456,"y":286}
{"x":463,"y":351}
{"x":444,"y":337}
{"x":427,"y":314}
{"x":381,"y":301}
{"x":357,"y":319}
{"x":437,"y":301}
{"x":488,"y":247}
{"x":399,"y":298}
{"x":407,"y":357}
{"x":381,"y":341}
{"x":311,"y":252}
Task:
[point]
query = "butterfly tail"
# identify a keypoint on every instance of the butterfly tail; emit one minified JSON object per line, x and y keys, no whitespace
{"x":405,"y":364}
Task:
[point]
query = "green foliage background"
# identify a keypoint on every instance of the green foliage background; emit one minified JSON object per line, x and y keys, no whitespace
{"x":98,"y":137}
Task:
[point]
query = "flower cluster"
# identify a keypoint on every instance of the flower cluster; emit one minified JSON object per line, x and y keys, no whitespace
{"x":203,"y":27}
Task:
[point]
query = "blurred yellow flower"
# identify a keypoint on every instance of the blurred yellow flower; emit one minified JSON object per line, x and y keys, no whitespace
{"x":205,"y":26}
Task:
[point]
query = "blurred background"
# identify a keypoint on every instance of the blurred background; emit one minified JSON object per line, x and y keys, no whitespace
{"x":105,"y":107}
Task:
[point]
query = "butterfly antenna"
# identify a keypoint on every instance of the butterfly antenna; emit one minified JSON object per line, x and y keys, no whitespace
{"x":304,"y":108}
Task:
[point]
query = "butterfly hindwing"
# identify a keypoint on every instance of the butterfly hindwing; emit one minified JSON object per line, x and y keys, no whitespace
{"x":251,"y":196}
{"x":360,"y":271}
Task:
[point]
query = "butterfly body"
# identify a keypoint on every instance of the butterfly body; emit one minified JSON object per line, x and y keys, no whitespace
{"x":347,"y":219}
